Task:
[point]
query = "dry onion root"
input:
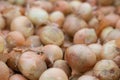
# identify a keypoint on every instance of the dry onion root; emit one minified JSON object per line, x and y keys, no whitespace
{"x":53,"y":74}
{"x":106,"y":70}
{"x":80,"y":58}
{"x":51,"y":35}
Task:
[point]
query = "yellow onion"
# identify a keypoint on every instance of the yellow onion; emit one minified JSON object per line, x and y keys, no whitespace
{"x":51,"y":35}
{"x":38,"y":16}
{"x":53,"y":74}
{"x":106,"y":70}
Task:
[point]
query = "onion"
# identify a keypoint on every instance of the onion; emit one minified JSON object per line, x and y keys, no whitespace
{"x":62,"y":64}
{"x":117,"y":2}
{"x":117,"y":60}
{"x":72,"y":24}
{"x":51,"y":35}
{"x":53,"y":53}
{"x":110,"y":50}
{"x":15,"y":38}
{"x":2,"y":22}
{"x":85,"y":36}
{"x":93,"y":23}
{"x":11,"y":13}
{"x":112,"y":19}
{"x":2,"y":44}
{"x":46,"y":5}
{"x":53,"y":74}
{"x":85,"y":11}
{"x":23,"y":25}
{"x":18,"y":2}
{"x":11,"y":72}
{"x":105,"y":32}
{"x":38,"y":16}
{"x":33,"y":41}
{"x":12,"y":61}
{"x":74,"y":5}
{"x":87,"y":77}
{"x":80,"y":58}
{"x":106,"y":70}
{"x":105,"y":2}
{"x":54,"y":18}
{"x":61,"y":5}
{"x":4,"y":71}
{"x":118,"y":24}
{"x":31,"y":66}
{"x":17,"y":77}
{"x":97,"y":49}
{"x":89,"y":73}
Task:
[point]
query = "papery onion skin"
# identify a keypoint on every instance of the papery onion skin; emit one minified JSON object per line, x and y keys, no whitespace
{"x":80,"y":58}
{"x":4,"y":71}
{"x":23,"y":25}
{"x":53,"y":74}
{"x":31,"y":66}
{"x":17,"y":77}
{"x":106,"y":70}
{"x":51,"y":35}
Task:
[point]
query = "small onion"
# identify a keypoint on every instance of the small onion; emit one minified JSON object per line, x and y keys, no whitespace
{"x":105,"y":2}
{"x":85,"y":11}
{"x":15,"y":38}
{"x":33,"y":41}
{"x":62,"y":65}
{"x":51,"y":35}
{"x":97,"y":49}
{"x":46,"y":5}
{"x":2,"y":22}
{"x":106,"y":70}
{"x":74,"y":5}
{"x":11,"y":13}
{"x":53,"y":74}
{"x":23,"y":25}
{"x":54,"y":18}
{"x":85,"y":36}
{"x":72,"y":24}
{"x":38,"y":16}
{"x":105,"y":32}
{"x":110,"y":50}
{"x":31,"y":66}
{"x":4,"y":71}
{"x":17,"y":77}
{"x":80,"y":58}
{"x":87,"y":77}
{"x":62,"y":5}
{"x":53,"y":53}
{"x":112,"y":19}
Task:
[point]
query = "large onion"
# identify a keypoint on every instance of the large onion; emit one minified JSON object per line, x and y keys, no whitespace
{"x":23,"y":25}
{"x":51,"y":35}
{"x":53,"y":74}
{"x":85,"y":36}
{"x":107,"y":70}
{"x":31,"y":66}
{"x":80,"y":58}
{"x":38,"y":16}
